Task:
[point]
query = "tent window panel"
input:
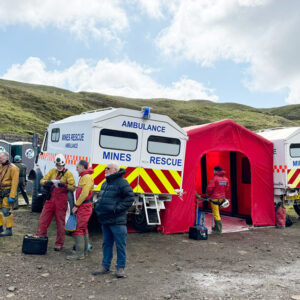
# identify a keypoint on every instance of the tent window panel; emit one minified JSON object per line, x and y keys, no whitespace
{"x":55,"y":133}
{"x":295,"y":150}
{"x":118,"y":140}
{"x":163,"y":145}
{"x":246,"y":172}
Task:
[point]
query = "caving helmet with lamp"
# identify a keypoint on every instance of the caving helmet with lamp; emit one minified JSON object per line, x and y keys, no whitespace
{"x":59,"y":160}
{"x":225,"y":203}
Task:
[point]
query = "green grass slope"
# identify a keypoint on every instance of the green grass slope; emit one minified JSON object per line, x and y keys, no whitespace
{"x":28,"y":108}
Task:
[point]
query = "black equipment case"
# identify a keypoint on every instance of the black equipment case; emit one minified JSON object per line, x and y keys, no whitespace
{"x":34,"y":244}
{"x":198,"y":233}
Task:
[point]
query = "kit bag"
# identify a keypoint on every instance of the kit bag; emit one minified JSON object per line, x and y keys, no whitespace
{"x":34,"y":244}
{"x":71,"y":224}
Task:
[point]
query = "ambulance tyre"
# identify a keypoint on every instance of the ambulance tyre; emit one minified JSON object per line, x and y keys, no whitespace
{"x":140,"y":221}
{"x":37,"y":199}
{"x":297,"y":208}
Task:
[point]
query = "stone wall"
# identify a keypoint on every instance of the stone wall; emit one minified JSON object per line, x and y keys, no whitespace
{"x":14,"y":138}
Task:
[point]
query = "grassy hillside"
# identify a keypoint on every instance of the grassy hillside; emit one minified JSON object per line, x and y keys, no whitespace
{"x":27,"y":108}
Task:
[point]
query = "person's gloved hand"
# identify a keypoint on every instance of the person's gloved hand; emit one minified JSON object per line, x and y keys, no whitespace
{"x":48,"y":183}
{"x":62,"y":184}
{"x":11,"y":200}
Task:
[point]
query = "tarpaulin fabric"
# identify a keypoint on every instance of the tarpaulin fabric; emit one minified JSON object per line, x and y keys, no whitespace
{"x":224,"y":135}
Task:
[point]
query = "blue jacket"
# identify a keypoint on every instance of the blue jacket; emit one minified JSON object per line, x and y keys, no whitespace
{"x":116,"y":197}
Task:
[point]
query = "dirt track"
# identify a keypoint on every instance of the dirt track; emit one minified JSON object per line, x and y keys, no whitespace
{"x":254,"y":264}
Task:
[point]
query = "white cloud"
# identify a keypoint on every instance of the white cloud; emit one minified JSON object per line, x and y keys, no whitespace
{"x":156,"y":8}
{"x":264,"y":34}
{"x":103,"y":18}
{"x":123,"y":78}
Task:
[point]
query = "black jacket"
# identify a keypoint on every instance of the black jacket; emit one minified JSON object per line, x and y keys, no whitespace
{"x":116,"y":197}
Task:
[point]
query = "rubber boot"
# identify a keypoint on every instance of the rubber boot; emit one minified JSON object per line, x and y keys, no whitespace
{"x":218,"y":227}
{"x":7,"y":232}
{"x":79,"y":244}
{"x":1,"y":229}
{"x":86,"y":244}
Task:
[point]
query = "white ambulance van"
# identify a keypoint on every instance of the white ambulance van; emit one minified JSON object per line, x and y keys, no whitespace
{"x":151,"y":147}
{"x":286,"y":162}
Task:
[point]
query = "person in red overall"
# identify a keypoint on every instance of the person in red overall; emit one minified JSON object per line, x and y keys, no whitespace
{"x":83,"y":210}
{"x":60,"y":181}
{"x":218,"y":189}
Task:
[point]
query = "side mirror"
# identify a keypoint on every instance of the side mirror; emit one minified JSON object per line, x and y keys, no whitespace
{"x":35,"y":140}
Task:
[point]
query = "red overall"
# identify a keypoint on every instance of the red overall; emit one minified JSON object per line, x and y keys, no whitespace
{"x":57,"y":207}
{"x":85,"y":210}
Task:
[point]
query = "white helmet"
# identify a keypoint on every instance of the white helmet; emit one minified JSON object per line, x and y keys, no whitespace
{"x":60,"y":160}
{"x":225,"y":203}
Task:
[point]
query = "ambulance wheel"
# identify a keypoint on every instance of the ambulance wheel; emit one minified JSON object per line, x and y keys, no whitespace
{"x":140,"y":221}
{"x":297,"y":208}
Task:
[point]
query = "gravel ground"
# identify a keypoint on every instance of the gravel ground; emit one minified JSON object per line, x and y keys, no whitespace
{"x":260,"y":263}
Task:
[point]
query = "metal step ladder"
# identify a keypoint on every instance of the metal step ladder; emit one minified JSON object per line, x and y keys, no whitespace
{"x":153,"y":200}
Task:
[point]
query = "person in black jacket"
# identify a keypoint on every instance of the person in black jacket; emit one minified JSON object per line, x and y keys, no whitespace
{"x":116,"y":197}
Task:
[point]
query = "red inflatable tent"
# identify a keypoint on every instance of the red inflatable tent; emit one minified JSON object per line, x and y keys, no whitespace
{"x":247,"y":159}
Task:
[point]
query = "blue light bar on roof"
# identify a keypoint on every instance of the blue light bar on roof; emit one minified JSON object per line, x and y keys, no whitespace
{"x":146,"y":112}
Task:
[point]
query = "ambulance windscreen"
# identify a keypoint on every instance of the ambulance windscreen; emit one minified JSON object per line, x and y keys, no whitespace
{"x":295,"y":150}
{"x":163,"y":145}
{"x":118,"y":140}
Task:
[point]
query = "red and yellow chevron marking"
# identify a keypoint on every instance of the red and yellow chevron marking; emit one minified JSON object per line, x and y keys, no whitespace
{"x":144,"y":180}
{"x":293,"y":178}
{"x":279,"y":168}
{"x":70,"y":159}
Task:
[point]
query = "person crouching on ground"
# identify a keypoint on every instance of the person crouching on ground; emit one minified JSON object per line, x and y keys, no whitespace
{"x":82,"y":209}
{"x":9,"y":179}
{"x":57,"y":203}
{"x":217,"y":190}
{"x":116,"y":197}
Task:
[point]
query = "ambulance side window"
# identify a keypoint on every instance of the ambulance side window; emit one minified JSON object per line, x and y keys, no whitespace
{"x":45,"y":146}
{"x":295,"y":150}
{"x":55,"y":133}
{"x":118,"y":140}
{"x":163,"y":145}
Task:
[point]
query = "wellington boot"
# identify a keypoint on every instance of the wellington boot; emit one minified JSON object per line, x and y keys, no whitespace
{"x":1,"y":229}
{"x":86,"y":244}
{"x":7,"y":232}
{"x":79,"y":245}
{"x":218,"y":227}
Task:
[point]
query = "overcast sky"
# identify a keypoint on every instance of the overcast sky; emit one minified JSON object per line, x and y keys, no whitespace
{"x":244,"y":51}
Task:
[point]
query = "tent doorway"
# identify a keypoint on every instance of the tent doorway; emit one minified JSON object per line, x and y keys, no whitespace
{"x":237,"y":168}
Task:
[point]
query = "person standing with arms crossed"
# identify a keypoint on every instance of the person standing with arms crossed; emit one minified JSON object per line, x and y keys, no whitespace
{"x":116,"y":197}
{"x":83,"y":210}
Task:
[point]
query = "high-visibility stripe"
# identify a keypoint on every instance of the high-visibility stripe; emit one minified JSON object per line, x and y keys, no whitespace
{"x":148,"y":180}
{"x":157,"y":181}
{"x":164,"y":180}
{"x":143,"y":186}
{"x":296,"y":182}
{"x":144,"y":180}
{"x":132,"y":175}
{"x":291,"y":174}
{"x":176,"y":176}
{"x":171,"y":179}
{"x":294,"y":176}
